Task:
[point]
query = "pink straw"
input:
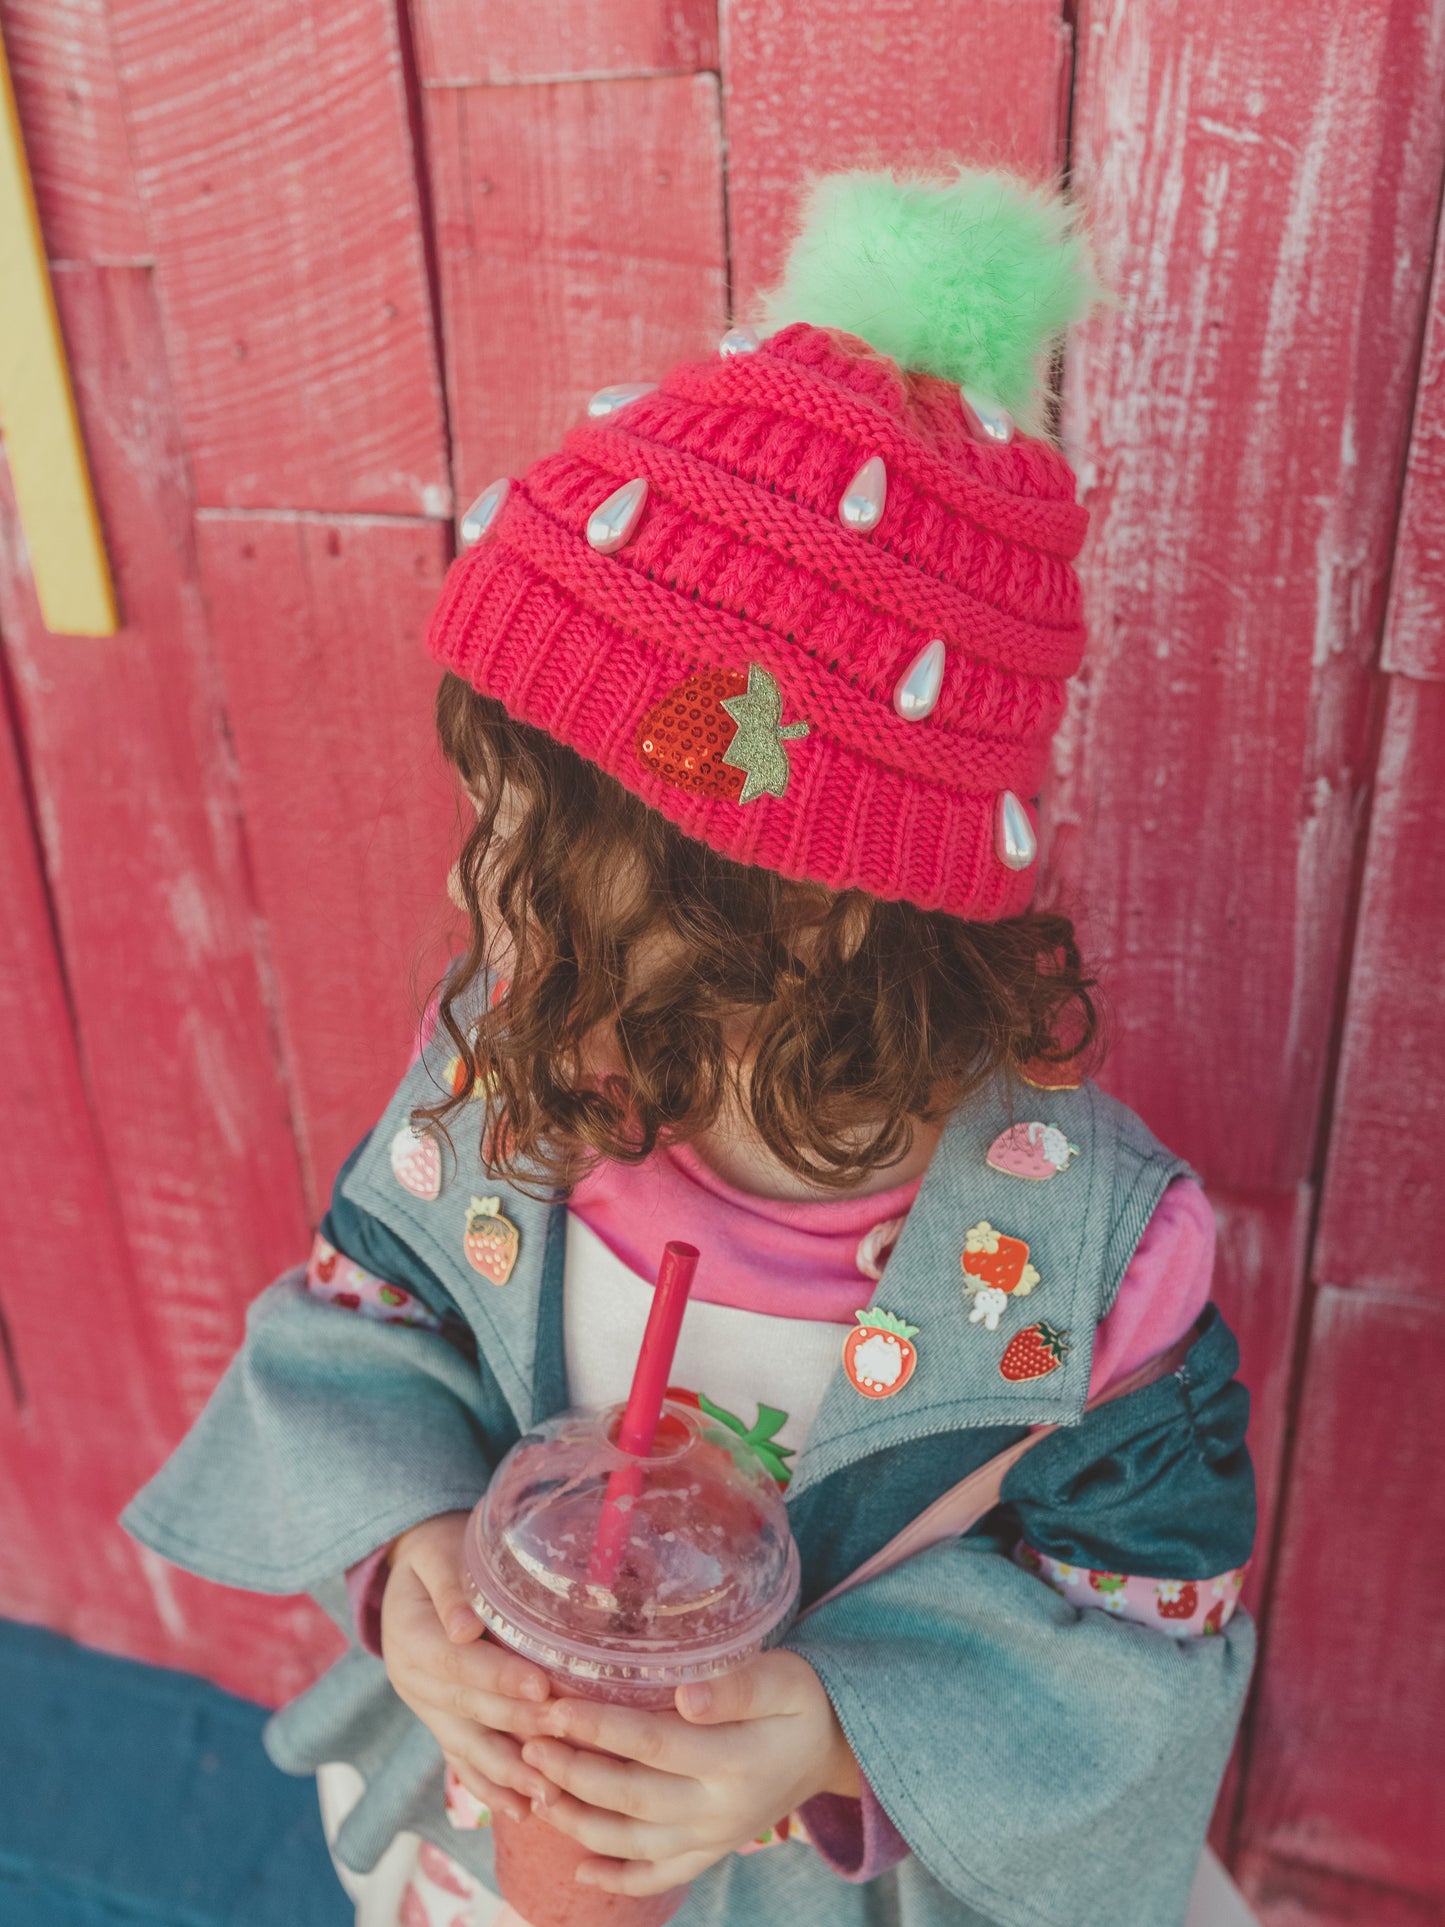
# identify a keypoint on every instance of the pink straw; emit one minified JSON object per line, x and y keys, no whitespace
{"x":644,"y":1405}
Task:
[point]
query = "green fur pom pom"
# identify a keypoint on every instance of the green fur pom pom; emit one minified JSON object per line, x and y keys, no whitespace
{"x":975,"y":278}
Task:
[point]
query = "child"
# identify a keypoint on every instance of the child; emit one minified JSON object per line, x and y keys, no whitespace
{"x":751,"y":687}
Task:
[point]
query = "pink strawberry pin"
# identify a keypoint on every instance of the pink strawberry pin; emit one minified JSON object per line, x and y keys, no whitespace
{"x":1038,"y":1151}
{"x":491,"y":1241}
{"x":416,"y":1162}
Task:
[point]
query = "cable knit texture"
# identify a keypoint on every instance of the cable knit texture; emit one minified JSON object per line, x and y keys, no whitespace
{"x":740,"y":560}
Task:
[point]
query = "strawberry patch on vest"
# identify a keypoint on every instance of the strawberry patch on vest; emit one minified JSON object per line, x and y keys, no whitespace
{"x":878,"y":1355}
{"x":490,"y":1240}
{"x":1038,"y":1151}
{"x":995,"y":1268}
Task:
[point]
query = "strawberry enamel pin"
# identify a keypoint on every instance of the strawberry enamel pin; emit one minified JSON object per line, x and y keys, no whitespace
{"x":1038,"y":1151}
{"x":1034,"y":1352}
{"x":995,"y":1268}
{"x":878,"y":1354}
{"x":491,"y":1241}
{"x":416,"y":1162}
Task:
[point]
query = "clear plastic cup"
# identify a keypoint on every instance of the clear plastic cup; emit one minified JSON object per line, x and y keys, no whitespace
{"x":697,"y":1576}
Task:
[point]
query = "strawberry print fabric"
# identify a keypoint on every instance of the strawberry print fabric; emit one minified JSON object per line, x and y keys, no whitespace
{"x":335,"y":1278}
{"x":1183,"y":1608}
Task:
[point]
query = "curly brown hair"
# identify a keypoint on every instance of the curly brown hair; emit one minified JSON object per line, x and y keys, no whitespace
{"x":854,"y":1016}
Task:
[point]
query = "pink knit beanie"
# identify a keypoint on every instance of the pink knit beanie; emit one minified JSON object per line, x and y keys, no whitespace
{"x":812,"y":598}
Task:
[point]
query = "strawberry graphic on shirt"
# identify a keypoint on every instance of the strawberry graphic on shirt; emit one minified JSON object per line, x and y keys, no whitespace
{"x":1177,"y":1598}
{"x":761,"y":1436}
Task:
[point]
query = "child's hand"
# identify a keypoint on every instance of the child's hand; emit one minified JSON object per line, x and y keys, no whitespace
{"x":690,"y":1786}
{"x":478,"y":1701}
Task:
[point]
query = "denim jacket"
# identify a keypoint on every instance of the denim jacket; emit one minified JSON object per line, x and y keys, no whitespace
{"x":1049,"y":1765}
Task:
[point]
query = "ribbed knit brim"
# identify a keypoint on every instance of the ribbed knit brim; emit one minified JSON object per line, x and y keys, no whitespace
{"x":740,"y":560}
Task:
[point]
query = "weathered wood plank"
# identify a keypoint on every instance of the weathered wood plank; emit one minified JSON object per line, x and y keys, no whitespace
{"x":1381,"y":1219}
{"x":1239,"y":423}
{"x":274,"y":161}
{"x":1347,"y":1771}
{"x":1284,"y":1894}
{"x":318,"y":627}
{"x":1259,"y":1286}
{"x":142,"y":843}
{"x":811,"y":87}
{"x":1415,"y":624}
{"x":464,"y":43}
{"x":63,"y":67}
{"x":580,"y":242}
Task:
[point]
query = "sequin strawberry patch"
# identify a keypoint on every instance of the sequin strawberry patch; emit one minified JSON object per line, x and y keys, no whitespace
{"x":721,"y":735}
{"x":490,"y":1240}
{"x":995,"y":1268}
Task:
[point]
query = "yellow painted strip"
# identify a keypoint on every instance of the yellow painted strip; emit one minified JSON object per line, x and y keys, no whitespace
{"x":38,"y":421}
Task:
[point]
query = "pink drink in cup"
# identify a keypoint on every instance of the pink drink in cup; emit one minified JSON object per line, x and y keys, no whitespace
{"x":624,"y":1577}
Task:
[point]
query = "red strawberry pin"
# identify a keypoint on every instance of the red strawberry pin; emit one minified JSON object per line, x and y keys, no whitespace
{"x":491,"y":1241}
{"x":995,"y":1268}
{"x":1038,"y":1151}
{"x":877,"y":1355}
{"x":1177,"y":1598}
{"x":1034,"y":1352}
{"x":416,"y":1162}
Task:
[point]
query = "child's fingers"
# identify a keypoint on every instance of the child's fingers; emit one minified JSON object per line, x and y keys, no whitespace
{"x":643,"y":1877}
{"x":491,"y":1793}
{"x":772,"y":1685}
{"x":490,"y":1668}
{"x":618,"y":1786}
{"x":610,"y":1833}
{"x":487,"y":1756}
{"x":496,"y":1711}
{"x":434,"y":1562}
{"x":658,"y":1740}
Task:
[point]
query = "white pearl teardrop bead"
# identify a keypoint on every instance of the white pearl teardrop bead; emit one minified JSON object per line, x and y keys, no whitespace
{"x":987,"y":419}
{"x":607,"y":401}
{"x":1013,"y":834}
{"x":739,"y":341}
{"x":611,"y":524}
{"x":861,"y":508}
{"x":484,"y":511}
{"x":916,"y":692}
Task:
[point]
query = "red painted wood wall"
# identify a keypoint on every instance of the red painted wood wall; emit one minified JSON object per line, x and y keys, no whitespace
{"x":325,"y":267}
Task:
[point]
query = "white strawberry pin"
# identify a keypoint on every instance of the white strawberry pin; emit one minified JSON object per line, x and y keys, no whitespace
{"x":416,"y":1162}
{"x":878,"y":1354}
{"x":1038,"y":1151}
{"x":491,"y":1241}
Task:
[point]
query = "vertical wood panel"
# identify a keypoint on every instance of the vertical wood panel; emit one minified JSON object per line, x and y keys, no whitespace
{"x":579,"y":235}
{"x":1415,"y":634}
{"x":63,"y":67}
{"x":1240,"y":422}
{"x":273,"y":157}
{"x":878,"y":83}
{"x":491,"y":42}
{"x":318,"y":625}
{"x":142,"y":846}
{"x":1347,"y":1769}
{"x":1381,"y":1221}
